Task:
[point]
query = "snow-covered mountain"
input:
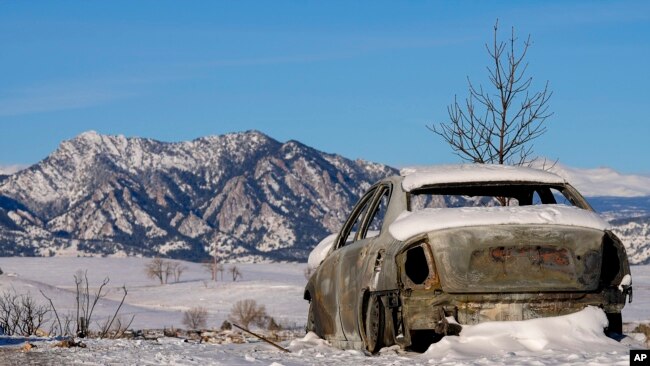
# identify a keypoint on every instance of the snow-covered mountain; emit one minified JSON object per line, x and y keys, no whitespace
{"x":630,"y":220}
{"x":248,"y":195}
{"x":604,"y":181}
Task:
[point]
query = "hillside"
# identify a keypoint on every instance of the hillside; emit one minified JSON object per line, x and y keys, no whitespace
{"x":252,"y":197}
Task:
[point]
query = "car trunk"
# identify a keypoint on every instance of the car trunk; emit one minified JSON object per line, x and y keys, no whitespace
{"x":517,"y":259}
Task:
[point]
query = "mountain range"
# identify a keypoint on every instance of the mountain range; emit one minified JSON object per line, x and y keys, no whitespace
{"x":242,"y":196}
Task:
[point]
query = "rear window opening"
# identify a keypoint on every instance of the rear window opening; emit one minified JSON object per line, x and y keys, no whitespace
{"x":490,"y":195}
{"x":416,"y":267}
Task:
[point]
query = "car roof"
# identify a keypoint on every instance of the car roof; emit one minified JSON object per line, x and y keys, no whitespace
{"x":419,"y":177}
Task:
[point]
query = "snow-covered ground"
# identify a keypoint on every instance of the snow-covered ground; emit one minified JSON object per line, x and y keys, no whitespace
{"x":279,"y":287}
{"x":575,"y":339}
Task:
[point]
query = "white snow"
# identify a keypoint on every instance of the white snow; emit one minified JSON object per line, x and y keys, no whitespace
{"x":319,"y":253}
{"x":639,"y":310}
{"x":409,"y":224}
{"x":417,"y":177}
{"x":573,"y":333}
{"x":574,"y":339}
{"x":279,"y":287}
{"x":173,"y":245}
{"x":625,"y":281}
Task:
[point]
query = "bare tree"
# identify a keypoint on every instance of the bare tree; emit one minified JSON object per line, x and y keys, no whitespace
{"x":156,"y":269}
{"x":8,"y":312}
{"x":107,"y":326}
{"x":220,"y":269}
{"x":119,"y":326}
{"x":234,"y":272}
{"x":85,"y":302}
{"x":162,"y":270}
{"x":178,"y":271}
{"x":498,"y":125}
{"x":245,"y":312}
{"x":214,"y":266}
{"x":195,"y":318}
{"x":20,"y":314}
{"x":85,"y":306}
{"x":168,"y":270}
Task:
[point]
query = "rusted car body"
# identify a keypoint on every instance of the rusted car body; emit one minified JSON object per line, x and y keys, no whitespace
{"x":528,"y":246}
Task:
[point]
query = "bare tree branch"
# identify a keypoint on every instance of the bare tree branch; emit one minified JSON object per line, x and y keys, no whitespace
{"x":56,"y":314}
{"x":117,"y":311}
{"x":498,"y":127}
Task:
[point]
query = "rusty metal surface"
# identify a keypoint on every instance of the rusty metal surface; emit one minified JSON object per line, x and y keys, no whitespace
{"x":521,"y":258}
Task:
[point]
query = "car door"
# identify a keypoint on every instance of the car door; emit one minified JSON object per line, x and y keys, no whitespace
{"x":354,"y":271}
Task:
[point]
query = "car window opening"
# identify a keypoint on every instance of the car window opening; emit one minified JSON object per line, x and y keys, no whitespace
{"x":489,"y":196}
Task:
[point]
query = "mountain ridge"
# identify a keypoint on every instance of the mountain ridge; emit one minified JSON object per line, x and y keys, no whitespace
{"x":240,"y":192}
{"x":244,"y":194}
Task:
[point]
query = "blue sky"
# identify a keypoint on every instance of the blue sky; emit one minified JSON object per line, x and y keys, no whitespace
{"x":360,"y":78}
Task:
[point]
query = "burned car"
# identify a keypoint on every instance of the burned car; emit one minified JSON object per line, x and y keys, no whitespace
{"x":474,"y":242}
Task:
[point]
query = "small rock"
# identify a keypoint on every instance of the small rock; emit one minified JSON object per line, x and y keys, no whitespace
{"x":67,"y":343}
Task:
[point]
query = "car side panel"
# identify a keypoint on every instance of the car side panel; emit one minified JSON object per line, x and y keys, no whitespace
{"x":353,"y":279}
{"x":325,"y":298}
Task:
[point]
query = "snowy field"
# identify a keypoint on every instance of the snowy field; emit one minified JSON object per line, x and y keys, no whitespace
{"x":279,"y":287}
{"x":574,"y":339}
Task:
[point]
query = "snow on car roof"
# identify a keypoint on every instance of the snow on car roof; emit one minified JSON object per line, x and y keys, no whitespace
{"x":417,"y":177}
{"x":409,"y":224}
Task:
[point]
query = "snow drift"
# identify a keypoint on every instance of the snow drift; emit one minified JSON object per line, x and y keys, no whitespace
{"x":573,"y":333}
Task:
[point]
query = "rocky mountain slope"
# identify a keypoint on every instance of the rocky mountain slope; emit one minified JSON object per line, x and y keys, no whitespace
{"x":246,"y":195}
{"x":635,"y":234}
{"x":630,"y":219}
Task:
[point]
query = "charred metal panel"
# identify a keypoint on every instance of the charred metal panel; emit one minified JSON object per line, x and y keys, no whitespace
{"x":322,"y":289}
{"x":479,"y":312}
{"x":352,"y":277}
{"x":422,"y":310}
{"x":517,"y":258}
